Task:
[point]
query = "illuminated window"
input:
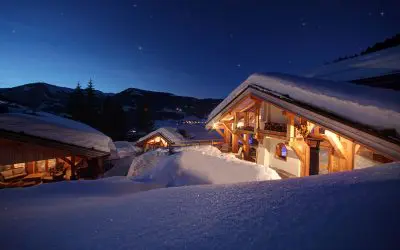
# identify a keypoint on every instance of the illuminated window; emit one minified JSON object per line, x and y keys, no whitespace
{"x":281,"y":151}
{"x":40,"y":166}
{"x":19,"y":165}
{"x":5,"y":167}
{"x":51,"y":163}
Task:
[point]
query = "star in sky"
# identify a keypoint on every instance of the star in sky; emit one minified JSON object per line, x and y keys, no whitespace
{"x":382,"y":13}
{"x":134,"y":5}
{"x":13,"y":31}
{"x":238,"y":65}
{"x":303,"y":24}
{"x":140,"y":48}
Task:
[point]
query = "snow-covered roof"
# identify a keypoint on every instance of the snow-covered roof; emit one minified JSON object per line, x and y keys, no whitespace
{"x":371,"y":65}
{"x":376,"y":108}
{"x":49,"y":126}
{"x":170,"y":134}
{"x":198,"y":132}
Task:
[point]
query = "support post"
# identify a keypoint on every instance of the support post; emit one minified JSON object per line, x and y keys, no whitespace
{"x":73,"y":168}
{"x":235,"y":143}
{"x":246,"y":146}
{"x":227,"y":135}
{"x":290,"y":127}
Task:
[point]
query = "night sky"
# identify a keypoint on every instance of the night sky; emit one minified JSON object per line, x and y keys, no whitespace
{"x":201,"y":48}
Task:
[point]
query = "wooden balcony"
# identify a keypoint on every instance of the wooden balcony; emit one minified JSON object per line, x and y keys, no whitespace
{"x":278,"y":130}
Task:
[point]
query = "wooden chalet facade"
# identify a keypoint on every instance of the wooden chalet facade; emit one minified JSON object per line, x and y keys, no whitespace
{"x":33,"y":158}
{"x":294,"y":138}
{"x":41,"y":147}
{"x":155,"y":141}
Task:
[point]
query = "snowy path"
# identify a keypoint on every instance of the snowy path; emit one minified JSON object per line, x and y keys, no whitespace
{"x":353,"y":210}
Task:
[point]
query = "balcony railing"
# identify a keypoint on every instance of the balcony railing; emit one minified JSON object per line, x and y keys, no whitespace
{"x":277,"y":127}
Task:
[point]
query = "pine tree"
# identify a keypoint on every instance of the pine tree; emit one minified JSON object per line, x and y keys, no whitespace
{"x":90,"y":92}
{"x":90,"y":110}
{"x":76,"y":103}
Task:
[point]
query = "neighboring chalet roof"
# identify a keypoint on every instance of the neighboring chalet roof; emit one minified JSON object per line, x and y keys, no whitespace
{"x":380,"y":63}
{"x":197,"y":132}
{"x":47,"y":127}
{"x":361,"y":107}
{"x":168,"y":133}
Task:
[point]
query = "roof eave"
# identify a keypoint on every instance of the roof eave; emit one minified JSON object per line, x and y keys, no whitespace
{"x":342,"y":126}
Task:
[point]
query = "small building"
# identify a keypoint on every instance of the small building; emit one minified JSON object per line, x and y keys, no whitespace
{"x":160,"y":138}
{"x":301,"y":126}
{"x":183,"y":135}
{"x":41,"y":146}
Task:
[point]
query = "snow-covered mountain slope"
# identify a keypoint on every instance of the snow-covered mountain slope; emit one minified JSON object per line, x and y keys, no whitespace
{"x":348,"y":210}
{"x":375,"y":64}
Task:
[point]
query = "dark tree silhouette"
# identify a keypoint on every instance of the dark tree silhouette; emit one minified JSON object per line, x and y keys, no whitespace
{"x":91,"y":105}
{"x":113,"y":119}
{"x":76,"y":103}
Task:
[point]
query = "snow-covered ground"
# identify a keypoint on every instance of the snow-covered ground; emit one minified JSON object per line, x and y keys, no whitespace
{"x":196,"y":165}
{"x":380,"y":108}
{"x":49,"y":126}
{"x":348,"y":210}
{"x":126,"y":148}
{"x":120,"y":166}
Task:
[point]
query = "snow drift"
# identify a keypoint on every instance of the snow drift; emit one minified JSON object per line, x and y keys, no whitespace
{"x":126,"y":148}
{"x":197,"y":165}
{"x":348,"y":210}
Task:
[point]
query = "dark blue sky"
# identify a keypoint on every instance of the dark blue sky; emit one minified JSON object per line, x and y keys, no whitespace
{"x":202,"y":48}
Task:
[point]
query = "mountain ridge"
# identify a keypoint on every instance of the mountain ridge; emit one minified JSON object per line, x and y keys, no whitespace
{"x":52,"y":98}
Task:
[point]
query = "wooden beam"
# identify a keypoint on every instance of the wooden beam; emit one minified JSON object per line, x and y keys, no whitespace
{"x":248,"y":107}
{"x":243,"y":99}
{"x":227,"y":127}
{"x":302,"y":150}
{"x":349,"y":147}
{"x":220,"y":132}
{"x":290,"y":127}
{"x":256,"y":98}
{"x":335,"y":142}
{"x":235,"y":143}
{"x":246,"y":119}
{"x":66,"y":160}
{"x":246,"y":146}
{"x":357,"y":148}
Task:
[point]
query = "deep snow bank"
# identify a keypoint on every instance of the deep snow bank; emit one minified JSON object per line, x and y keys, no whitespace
{"x":126,"y":148}
{"x":196,"y":165}
{"x":348,"y":210}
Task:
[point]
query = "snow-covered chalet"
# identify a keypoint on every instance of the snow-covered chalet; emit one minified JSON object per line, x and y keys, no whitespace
{"x":305,"y":126}
{"x":39,"y":147}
